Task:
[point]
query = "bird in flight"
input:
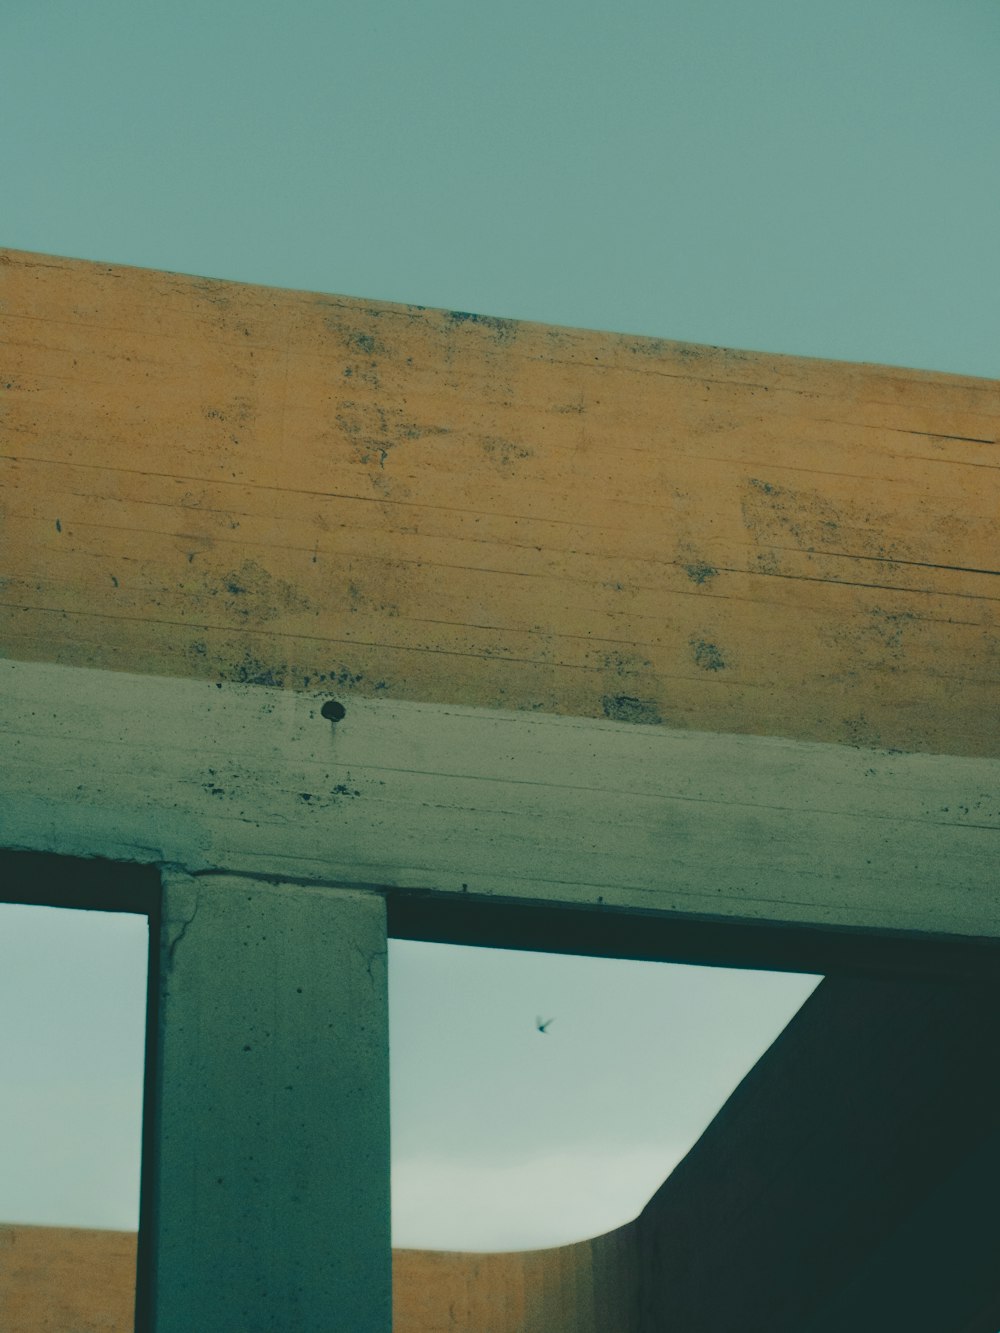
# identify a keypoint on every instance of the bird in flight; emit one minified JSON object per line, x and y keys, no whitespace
{"x":542,"y":1025}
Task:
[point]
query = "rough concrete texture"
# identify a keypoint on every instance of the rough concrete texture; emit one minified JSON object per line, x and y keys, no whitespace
{"x":589,"y":1287}
{"x":66,"y":1280}
{"x":850,"y":1181}
{"x":497,"y":805}
{"x":246,"y":484}
{"x":270,"y":1166}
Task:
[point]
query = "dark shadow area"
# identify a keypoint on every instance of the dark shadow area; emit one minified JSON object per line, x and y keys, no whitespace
{"x":86,"y":883}
{"x":850,"y":1181}
{"x":605,"y":932}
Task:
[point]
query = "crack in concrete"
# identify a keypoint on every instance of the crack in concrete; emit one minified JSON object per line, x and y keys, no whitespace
{"x":172,"y":948}
{"x":370,"y":959}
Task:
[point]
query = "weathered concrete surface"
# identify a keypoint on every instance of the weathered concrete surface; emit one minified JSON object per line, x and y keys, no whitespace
{"x":244,"y":484}
{"x":482,"y":803}
{"x":270,"y":1157}
{"x":590,"y":1287}
{"x":66,"y":1280}
{"x":57,"y":1280}
{"x":850,"y":1182}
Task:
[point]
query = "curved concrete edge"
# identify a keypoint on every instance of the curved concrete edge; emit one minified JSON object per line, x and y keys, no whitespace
{"x":66,"y":1277}
{"x":585,"y":1287}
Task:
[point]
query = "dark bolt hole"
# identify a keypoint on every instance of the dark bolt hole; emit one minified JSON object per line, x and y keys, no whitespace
{"x":333,"y":711}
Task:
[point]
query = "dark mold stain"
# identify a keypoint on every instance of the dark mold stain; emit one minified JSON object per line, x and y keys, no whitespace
{"x":236,"y":413}
{"x":343,"y":676}
{"x":627,"y":708}
{"x":768,"y":562}
{"x":363,"y":342}
{"x":707,"y":655}
{"x":503,"y":330}
{"x":251,"y":671}
{"x":889,"y":626}
{"x":114,"y":580}
{"x":252,"y":594}
{"x":814,"y":523}
{"x":625,"y":664}
{"x":58,"y":526}
{"x":375,"y":430}
{"x":879,"y":639}
{"x":505,"y":454}
{"x":342,"y":789}
{"x":860,"y":733}
{"x":650,"y":347}
{"x":700,"y":572}
{"x":359,"y":602}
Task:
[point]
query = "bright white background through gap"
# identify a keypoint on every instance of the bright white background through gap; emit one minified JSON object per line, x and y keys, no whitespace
{"x":72,"y":1053}
{"x":503,"y":1137}
{"x":507,"y":1138}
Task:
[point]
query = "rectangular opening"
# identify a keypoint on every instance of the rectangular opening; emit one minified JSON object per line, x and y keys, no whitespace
{"x":848,"y":1181}
{"x":75,"y":977}
{"x":541,"y":1099}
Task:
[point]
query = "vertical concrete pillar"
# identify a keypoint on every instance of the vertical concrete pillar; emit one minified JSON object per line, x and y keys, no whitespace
{"x":270,"y":1139}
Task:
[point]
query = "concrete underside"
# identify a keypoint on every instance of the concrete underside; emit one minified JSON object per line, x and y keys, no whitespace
{"x":477,"y":805}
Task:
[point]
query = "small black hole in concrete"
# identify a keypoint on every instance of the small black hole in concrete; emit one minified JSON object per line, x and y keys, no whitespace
{"x":333,"y":711}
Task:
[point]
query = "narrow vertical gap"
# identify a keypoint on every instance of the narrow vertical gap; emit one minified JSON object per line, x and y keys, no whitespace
{"x":145,"y":1277}
{"x":80,"y":1223}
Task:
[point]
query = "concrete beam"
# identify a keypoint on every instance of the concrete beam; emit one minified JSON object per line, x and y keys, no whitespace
{"x":238,"y":483}
{"x":268,"y":1158}
{"x":476,"y":804}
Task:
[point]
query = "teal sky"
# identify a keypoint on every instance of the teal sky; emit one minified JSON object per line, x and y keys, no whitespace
{"x":781,"y":176}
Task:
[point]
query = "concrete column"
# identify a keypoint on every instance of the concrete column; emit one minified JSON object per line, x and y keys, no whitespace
{"x":269,"y":1145}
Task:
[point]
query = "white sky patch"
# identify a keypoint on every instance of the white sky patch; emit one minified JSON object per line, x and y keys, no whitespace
{"x":72,"y":1052}
{"x":443,"y":1204}
{"x":508,"y":1138}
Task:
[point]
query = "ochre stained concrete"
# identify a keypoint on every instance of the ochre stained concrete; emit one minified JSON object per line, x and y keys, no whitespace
{"x":247,"y":484}
{"x":63,"y":1280}
{"x":590,"y":1287}
{"x":66,"y":1280}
